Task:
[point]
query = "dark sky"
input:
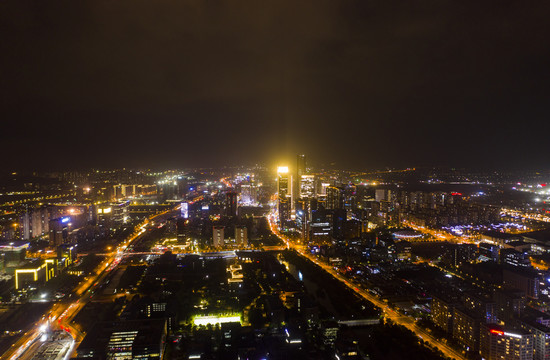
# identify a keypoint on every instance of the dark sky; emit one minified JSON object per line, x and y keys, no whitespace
{"x":221,"y":82}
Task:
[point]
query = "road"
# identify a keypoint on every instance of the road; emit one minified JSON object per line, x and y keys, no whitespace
{"x":525,"y":215}
{"x":389,"y":313}
{"x":440,"y":235}
{"x":56,"y":345}
{"x":61,"y":314}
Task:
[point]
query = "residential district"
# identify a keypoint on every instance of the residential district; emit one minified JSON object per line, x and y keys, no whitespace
{"x":287,"y":262}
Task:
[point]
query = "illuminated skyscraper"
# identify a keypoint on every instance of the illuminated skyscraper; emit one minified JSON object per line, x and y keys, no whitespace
{"x":284,"y":193}
{"x":307,"y":186}
{"x":322,"y":191}
{"x":300,"y":170}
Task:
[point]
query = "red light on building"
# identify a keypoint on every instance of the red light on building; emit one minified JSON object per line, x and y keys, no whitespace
{"x":496,"y":332}
{"x":456,"y":194}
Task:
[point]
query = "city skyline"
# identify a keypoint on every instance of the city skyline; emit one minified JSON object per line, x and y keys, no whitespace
{"x":274,"y":180}
{"x":275,"y":262}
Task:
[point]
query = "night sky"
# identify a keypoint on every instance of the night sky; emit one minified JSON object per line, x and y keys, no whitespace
{"x":358,"y":83}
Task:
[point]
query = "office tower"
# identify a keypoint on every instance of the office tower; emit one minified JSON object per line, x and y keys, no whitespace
{"x":66,"y":255}
{"x":218,"y":236}
{"x":301,"y":168}
{"x":120,"y":212}
{"x":241,"y":235}
{"x":320,"y":226}
{"x":283,"y":194}
{"x":231,"y":203}
{"x":59,"y":231}
{"x":36,"y":272}
{"x":323,"y":189}
{"x":303,"y":217}
{"x":335,"y":198}
{"x":338,"y":219}
{"x":307,"y":186}
{"x":129,"y":339}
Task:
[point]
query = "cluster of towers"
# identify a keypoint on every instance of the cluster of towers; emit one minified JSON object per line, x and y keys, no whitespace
{"x":292,"y":188}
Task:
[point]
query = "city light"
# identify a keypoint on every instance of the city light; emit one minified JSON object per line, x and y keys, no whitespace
{"x":215,"y":319}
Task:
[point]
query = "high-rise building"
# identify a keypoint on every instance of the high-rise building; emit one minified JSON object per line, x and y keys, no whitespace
{"x":466,"y":328}
{"x":442,"y":313}
{"x":218,"y":238}
{"x":510,"y":303}
{"x":296,"y":186}
{"x":538,"y":327}
{"x":303,"y":216}
{"x":482,"y":306}
{"x":249,"y":194}
{"x":338,"y":220}
{"x":383,"y":195}
{"x":320,"y":227}
{"x":523,"y":279}
{"x":59,"y":231}
{"x":335,"y":198}
{"x":301,"y":165}
{"x":231,"y":203}
{"x":499,"y":343}
{"x":307,"y":186}
{"x":284,"y":194}
{"x":34,"y":223}
{"x":120,"y":213}
{"x":322,"y":191}
{"x":241,"y":235}
{"x":185,"y":210}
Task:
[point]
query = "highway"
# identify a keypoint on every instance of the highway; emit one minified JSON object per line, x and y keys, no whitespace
{"x":60,"y":315}
{"x":389,"y":313}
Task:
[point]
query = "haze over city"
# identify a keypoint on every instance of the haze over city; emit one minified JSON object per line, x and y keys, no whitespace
{"x":363,"y":84}
{"x":311,"y":180}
